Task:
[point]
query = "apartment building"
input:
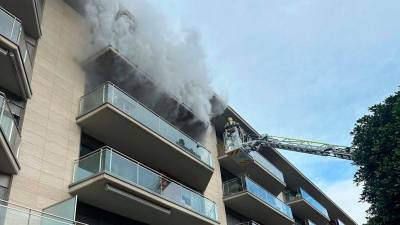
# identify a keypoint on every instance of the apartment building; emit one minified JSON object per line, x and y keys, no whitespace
{"x":80,"y":141}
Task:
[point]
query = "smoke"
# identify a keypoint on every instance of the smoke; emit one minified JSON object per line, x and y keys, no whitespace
{"x":174,"y":60}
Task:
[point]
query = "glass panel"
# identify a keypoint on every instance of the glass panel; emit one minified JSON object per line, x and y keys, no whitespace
{"x":171,"y":190}
{"x":92,"y":100}
{"x":26,"y":59}
{"x":122,"y":101}
{"x":233,"y":186}
{"x":87,"y":166}
{"x":267,"y":165}
{"x":65,"y":209}
{"x":148,"y":119}
{"x":8,"y":126}
{"x":123,"y":168}
{"x":314,"y":202}
{"x":167,"y":131}
{"x":339,"y":222}
{"x":15,"y":215}
{"x":140,"y":113}
{"x":248,"y":223}
{"x":268,"y":198}
{"x":312,"y":223}
{"x":12,"y":216}
{"x":149,"y":180}
{"x":9,"y":27}
{"x":136,"y":174}
{"x":210,"y":210}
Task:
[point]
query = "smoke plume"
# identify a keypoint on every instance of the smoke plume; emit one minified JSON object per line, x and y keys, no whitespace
{"x":174,"y":60}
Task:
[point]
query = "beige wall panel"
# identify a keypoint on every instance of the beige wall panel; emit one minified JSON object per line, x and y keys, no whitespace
{"x":214,"y":188}
{"x":50,"y":136}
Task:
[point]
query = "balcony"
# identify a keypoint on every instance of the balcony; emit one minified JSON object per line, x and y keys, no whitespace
{"x":15,"y":62}
{"x":118,"y":184}
{"x":249,"y":199}
{"x":258,"y":168}
{"x":12,"y":214}
{"x":10,"y":139}
{"x":30,"y":12}
{"x":110,"y":115}
{"x":306,"y":207}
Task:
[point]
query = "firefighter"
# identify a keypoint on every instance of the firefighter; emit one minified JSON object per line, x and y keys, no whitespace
{"x":231,"y":124}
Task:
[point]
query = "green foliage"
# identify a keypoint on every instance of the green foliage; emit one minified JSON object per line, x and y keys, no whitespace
{"x":377,"y":154}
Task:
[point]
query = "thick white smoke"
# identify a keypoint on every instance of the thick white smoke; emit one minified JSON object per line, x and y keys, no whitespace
{"x":174,"y":60}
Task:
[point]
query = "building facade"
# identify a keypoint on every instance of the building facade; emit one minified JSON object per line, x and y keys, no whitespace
{"x":80,"y":143}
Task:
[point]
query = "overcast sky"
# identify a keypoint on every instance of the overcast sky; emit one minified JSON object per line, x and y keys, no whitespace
{"x":300,"y":68}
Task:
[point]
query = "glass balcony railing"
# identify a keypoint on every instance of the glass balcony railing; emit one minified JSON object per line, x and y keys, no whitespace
{"x":313,"y":202}
{"x":246,"y":184}
{"x":107,"y":160}
{"x":311,"y":222}
{"x":109,"y":93}
{"x":267,"y":165}
{"x":248,"y":223}
{"x":8,"y":126}
{"x":11,"y":29}
{"x":12,"y":214}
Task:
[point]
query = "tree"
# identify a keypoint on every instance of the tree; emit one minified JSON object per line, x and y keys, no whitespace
{"x":377,"y":155}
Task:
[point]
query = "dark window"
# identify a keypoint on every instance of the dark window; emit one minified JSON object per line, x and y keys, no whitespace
{"x":226,"y":175}
{"x":3,"y":193}
{"x":89,"y":144}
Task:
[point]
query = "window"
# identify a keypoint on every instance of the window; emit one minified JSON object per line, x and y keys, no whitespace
{"x":3,"y":193}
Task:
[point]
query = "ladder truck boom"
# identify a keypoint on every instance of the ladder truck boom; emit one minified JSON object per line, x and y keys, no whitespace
{"x":239,"y":145}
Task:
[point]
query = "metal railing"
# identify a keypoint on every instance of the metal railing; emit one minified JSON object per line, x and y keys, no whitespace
{"x":107,"y":160}
{"x":267,"y":165}
{"x":241,"y":184}
{"x":8,"y":126}
{"x":13,"y":214}
{"x":109,"y":93}
{"x":11,"y":28}
{"x":302,"y":194}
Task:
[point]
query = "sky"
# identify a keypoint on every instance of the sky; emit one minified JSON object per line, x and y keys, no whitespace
{"x":300,"y":68}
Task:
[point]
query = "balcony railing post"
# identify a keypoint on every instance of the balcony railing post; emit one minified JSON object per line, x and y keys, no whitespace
{"x":112,"y":93}
{"x":74,"y":171}
{"x":244,"y":183}
{"x":111,"y":159}
{"x":3,"y":103}
{"x":29,"y":217}
{"x":137,"y":173}
{"x":104,"y":93}
{"x":12,"y":29}
{"x":101,"y":158}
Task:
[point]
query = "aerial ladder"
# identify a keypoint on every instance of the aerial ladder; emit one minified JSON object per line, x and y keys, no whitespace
{"x":238,"y":144}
